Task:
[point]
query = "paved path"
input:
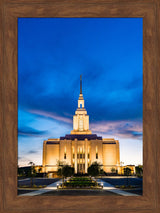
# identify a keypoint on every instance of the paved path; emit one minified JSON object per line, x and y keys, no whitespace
{"x":111,"y":188}
{"x":123,"y":180}
{"x":50,"y":187}
{"x":26,"y":179}
{"x":106,"y":186}
{"x":37,"y":181}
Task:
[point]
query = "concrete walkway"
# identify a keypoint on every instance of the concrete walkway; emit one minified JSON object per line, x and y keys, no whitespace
{"x":111,"y":188}
{"x":24,"y":179}
{"x":48,"y":188}
{"x":106,"y":186}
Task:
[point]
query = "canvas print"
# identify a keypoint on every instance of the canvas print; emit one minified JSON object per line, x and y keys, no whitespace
{"x":80,"y":106}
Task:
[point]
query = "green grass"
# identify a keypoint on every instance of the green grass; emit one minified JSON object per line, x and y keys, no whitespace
{"x":126,"y":186}
{"x":34,"y":186}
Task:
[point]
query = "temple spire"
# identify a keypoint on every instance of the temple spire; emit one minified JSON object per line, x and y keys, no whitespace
{"x":80,"y":84}
{"x":81,"y":119}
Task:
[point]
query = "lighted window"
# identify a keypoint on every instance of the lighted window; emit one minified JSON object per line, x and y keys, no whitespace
{"x":80,"y":125}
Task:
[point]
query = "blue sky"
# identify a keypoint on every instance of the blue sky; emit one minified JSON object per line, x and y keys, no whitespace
{"x":52,"y":53}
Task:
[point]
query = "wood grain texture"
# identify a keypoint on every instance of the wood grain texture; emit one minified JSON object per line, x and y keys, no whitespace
{"x":1,"y":106}
{"x":148,"y":9}
{"x":158,"y":106}
{"x":79,"y":1}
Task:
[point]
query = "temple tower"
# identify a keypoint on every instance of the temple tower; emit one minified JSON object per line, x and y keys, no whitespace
{"x":81,"y":119}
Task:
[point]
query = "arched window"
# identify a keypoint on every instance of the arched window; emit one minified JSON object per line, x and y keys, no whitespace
{"x":97,"y":155}
{"x":65,"y":156}
{"x":96,"y":152}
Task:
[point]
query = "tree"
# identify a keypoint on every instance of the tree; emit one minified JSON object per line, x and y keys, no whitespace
{"x":64,"y":170}
{"x":101,"y":172}
{"x":59,"y":172}
{"x":113,"y":170}
{"x":21,"y":172}
{"x":67,"y":171}
{"x":32,"y":172}
{"x":127,"y":172}
{"x":60,"y":165}
{"x":139,"y":170}
{"x":94,"y":169}
{"x":40,"y":169}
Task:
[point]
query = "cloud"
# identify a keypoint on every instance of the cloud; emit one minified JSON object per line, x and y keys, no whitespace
{"x":105,"y":55}
{"x":30,"y":132}
{"x":51,"y":115}
{"x":32,"y":152}
{"x":131,"y":134}
{"x":106,"y":97}
{"x":120,"y":129}
{"x":23,"y":161}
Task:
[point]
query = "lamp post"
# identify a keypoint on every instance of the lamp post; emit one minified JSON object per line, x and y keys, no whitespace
{"x":121,"y":163}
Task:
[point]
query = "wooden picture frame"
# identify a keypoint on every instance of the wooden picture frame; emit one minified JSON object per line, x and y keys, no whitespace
{"x":147,"y":9}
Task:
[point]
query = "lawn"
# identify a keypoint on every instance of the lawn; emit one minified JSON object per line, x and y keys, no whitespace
{"x":80,"y":182}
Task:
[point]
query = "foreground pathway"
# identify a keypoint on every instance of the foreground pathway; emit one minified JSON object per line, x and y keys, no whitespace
{"x":48,"y":188}
{"x":106,"y":186}
{"x":111,"y":188}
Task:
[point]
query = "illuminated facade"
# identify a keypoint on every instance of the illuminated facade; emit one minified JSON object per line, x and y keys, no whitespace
{"x":81,"y":148}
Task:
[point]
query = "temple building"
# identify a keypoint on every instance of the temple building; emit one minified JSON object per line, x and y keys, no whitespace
{"x":81,"y":148}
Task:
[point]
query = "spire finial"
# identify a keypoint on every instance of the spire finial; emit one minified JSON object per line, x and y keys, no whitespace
{"x":80,"y":84}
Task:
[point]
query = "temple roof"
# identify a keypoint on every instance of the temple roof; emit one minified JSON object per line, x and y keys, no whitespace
{"x":52,"y":142}
{"x":81,"y":137}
